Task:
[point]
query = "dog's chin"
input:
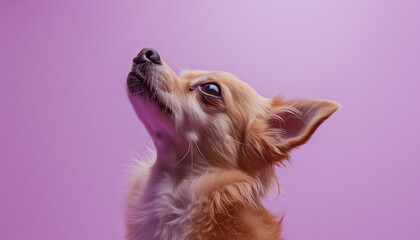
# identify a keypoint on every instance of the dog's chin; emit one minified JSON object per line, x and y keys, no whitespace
{"x":139,"y":87}
{"x":155,"y":116}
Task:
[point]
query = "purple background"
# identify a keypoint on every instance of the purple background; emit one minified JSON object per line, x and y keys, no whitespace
{"x":67,"y":131}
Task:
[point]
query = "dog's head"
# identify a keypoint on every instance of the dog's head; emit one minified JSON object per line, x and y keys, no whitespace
{"x":219,"y":119}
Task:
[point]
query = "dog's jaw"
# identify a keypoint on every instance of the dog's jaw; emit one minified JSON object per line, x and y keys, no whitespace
{"x":170,"y":146}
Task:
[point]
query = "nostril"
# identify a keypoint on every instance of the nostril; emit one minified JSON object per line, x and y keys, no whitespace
{"x":153,"y":56}
{"x":148,"y":55}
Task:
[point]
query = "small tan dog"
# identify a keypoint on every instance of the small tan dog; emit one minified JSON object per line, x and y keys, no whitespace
{"x":217,"y":143}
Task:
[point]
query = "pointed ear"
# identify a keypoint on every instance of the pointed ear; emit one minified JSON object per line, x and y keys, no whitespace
{"x":268,"y":140}
{"x":292,"y":123}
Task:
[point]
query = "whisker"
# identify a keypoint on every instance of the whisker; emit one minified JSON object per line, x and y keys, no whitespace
{"x":192,"y":160}
{"x":239,"y":142}
{"x":166,"y":105}
{"x":144,"y":147}
{"x":133,"y":84}
{"x":153,"y":96}
{"x":138,"y":92}
{"x":201,"y":152}
{"x":188,"y":150}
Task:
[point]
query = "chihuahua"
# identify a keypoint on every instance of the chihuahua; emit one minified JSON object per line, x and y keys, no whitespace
{"x":218,"y":143}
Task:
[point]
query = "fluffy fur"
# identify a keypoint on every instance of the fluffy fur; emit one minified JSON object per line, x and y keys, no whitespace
{"x":215,"y":156}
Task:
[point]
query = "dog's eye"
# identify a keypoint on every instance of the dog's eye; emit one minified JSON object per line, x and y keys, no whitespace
{"x":211,"y":89}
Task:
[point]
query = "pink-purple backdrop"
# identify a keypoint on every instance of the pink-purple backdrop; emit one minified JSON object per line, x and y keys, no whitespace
{"x":67,"y":130}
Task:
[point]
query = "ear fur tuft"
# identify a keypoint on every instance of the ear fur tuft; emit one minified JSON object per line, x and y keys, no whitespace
{"x":289,"y":124}
{"x":294,"y":122}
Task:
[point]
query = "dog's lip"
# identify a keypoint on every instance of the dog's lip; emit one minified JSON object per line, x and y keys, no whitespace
{"x":150,"y":92}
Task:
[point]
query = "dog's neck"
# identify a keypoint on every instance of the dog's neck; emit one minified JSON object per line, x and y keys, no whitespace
{"x":171,"y":170}
{"x":180,"y":161}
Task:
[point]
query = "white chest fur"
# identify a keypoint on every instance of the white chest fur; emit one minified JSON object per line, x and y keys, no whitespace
{"x":162,"y":211}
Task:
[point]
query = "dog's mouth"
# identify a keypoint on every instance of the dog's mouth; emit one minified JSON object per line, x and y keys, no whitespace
{"x":138,"y":84}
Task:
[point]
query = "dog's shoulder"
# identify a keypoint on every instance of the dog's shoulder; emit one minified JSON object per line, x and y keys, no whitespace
{"x":226,"y":205}
{"x":226,"y":186}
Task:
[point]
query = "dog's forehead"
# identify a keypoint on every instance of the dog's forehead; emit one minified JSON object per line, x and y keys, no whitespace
{"x":192,"y":74}
{"x":221,"y":77}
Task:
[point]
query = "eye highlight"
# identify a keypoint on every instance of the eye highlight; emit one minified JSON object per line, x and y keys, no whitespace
{"x":210,"y":89}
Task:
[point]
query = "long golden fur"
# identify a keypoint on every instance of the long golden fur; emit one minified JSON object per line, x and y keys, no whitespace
{"x":216,"y":156}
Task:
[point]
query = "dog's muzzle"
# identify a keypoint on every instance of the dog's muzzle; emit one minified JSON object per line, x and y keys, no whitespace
{"x":142,"y":70}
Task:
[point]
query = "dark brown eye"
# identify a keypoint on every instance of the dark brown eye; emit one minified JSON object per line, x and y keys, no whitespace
{"x":210,"y":89}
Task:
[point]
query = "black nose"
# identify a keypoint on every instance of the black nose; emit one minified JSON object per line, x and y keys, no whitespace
{"x":147,"y":55}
